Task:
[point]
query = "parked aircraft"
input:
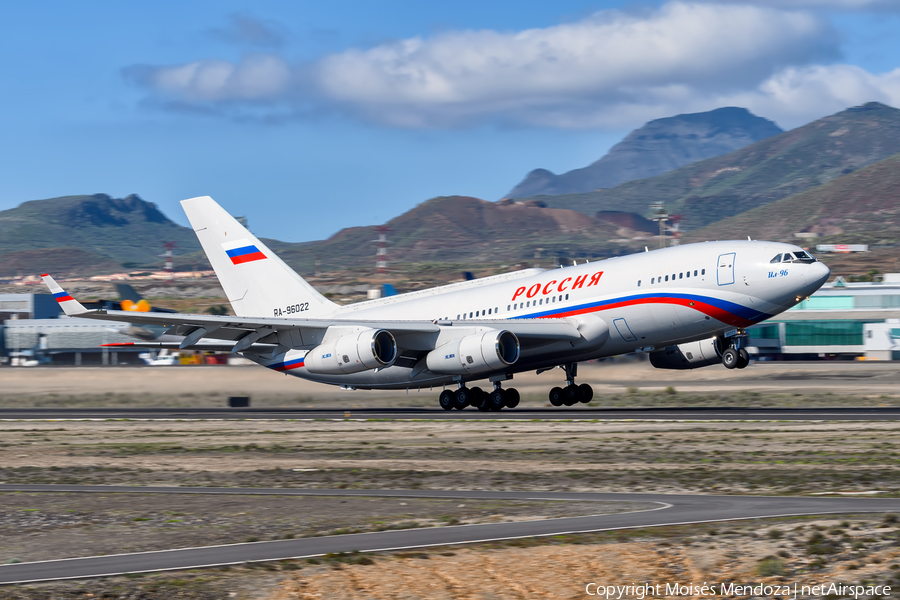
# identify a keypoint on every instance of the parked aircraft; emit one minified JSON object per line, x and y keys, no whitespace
{"x":687,"y":306}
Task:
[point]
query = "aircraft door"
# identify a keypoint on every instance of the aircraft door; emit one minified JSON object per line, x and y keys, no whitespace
{"x":725,"y":270}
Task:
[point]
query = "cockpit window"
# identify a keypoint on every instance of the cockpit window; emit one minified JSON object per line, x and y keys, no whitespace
{"x":777,"y":259}
{"x":803,"y":257}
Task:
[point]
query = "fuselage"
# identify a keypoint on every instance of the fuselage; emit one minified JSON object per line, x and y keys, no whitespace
{"x":648,"y":301}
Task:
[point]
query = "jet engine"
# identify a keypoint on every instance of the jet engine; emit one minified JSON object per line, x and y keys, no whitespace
{"x":687,"y":356}
{"x":485,"y":351}
{"x":354,"y":352}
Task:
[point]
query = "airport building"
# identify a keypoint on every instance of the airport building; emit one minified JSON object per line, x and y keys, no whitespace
{"x":34,"y":330}
{"x":841,"y":320}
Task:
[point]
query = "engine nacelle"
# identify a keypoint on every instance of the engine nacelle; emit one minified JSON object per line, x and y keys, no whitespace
{"x":687,"y":356}
{"x":486,"y":351}
{"x":354,"y":352}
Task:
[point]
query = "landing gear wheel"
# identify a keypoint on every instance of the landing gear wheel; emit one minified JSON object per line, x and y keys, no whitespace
{"x":556,"y":396}
{"x":480,"y":400}
{"x":512,"y":398}
{"x":587,"y":392}
{"x":447,"y":400}
{"x":730,"y":358}
{"x":497,"y":399}
{"x":743,"y":358}
{"x":571,"y":395}
{"x":463,"y":397}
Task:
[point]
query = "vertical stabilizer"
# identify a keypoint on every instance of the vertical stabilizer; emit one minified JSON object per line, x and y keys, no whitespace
{"x":70,"y":305}
{"x":255,"y":280}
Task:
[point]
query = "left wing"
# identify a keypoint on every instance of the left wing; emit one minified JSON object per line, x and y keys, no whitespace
{"x":247,"y":333}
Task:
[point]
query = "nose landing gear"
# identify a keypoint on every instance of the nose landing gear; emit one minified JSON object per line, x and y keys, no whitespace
{"x":572,"y":394}
{"x":736,"y":355}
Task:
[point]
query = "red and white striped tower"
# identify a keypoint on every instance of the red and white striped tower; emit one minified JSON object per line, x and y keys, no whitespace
{"x":170,"y":266}
{"x":381,"y":253}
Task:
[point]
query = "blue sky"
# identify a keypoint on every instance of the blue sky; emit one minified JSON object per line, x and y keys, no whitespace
{"x":310,"y":117}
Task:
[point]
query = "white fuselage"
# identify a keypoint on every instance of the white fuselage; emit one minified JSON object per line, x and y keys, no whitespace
{"x":648,"y":301}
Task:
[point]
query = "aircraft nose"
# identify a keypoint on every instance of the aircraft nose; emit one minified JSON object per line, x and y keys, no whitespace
{"x":818,"y":274}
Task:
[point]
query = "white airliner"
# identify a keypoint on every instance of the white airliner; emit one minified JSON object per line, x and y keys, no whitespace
{"x":686,"y":306}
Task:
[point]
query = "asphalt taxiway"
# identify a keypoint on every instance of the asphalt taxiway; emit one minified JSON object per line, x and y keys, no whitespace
{"x":667,"y":509}
{"x":572,"y":413}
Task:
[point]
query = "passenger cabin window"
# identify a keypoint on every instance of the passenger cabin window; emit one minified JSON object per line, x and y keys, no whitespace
{"x":703,"y":272}
{"x":695,"y":272}
{"x":681,"y":276}
{"x":689,"y":274}
{"x":639,"y":283}
{"x":667,"y":277}
{"x":652,"y":280}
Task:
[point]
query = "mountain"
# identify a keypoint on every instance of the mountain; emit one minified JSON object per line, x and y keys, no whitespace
{"x":99,"y":234}
{"x":462,"y":229}
{"x":657,"y":147}
{"x":716,"y":188}
{"x":94,"y":234}
{"x":863,"y":207}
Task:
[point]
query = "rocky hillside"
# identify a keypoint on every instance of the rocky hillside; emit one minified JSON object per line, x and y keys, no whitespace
{"x":87,"y":234}
{"x":860,"y":208}
{"x":657,"y":147}
{"x":462,"y":229}
{"x":777,"y":167}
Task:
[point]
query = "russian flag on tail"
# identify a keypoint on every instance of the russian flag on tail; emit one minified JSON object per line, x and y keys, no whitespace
{"x":242,"y":251}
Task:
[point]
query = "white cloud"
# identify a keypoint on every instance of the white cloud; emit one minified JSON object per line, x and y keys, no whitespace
{"x":256,"y":77}
{"x":796,"y":95}
{"x":614,"y":69}
{"x":610,"y":58}
{"x":852,"y":5}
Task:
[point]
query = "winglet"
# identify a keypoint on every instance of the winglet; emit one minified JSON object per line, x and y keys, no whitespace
{"x":70,"y":305}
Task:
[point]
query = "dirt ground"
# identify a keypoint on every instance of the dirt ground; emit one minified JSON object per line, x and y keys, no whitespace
{"x":850,"y":550}
{"x":615,"y":383}
{"x":756,"y":457}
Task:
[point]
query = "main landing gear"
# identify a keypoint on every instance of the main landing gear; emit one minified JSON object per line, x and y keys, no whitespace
{"x":572,"y":394}
{"x":736,"y":356}
{"x":496,"y":400}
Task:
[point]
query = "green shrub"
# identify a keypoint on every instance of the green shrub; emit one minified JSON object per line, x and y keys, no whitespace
{"x":770,"y":566}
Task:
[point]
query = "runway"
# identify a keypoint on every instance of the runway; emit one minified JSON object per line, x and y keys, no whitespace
{"x":672,"y":510}
{"x":573,"y":413}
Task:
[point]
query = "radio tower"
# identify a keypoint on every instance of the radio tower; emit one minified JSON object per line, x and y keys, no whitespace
{"x":170,"y":267}
{"x":661,"y":216}
{"x":381,"y":253}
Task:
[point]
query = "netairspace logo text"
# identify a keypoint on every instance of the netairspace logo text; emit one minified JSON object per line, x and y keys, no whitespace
{"x":650,"y":590}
